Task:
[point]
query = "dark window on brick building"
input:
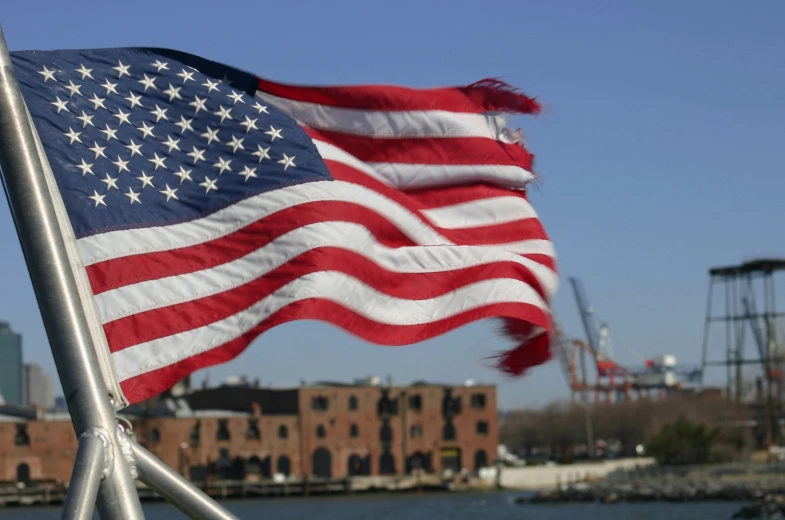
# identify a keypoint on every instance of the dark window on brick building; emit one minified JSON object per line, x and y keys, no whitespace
{"x":352,"y":403}
{"x":354,"y":431}
{"x":385,"y":434}
{"x":451,"y":406}
{"x":416,"y":431}
{"x":283,"y":432}
{"x":480,"y":460}
{"x":23,"y":473}
{"x":155,"y":436}
{"x":322,"y":463}
{"x":448,"y":432}
{"x":482,"y":427}
{"x":319,"y":403}
{"x":387,"y":464}
{"x":478,"y":401}
{"x":415,"y":402}
{"x":284,"y":465}
{"x":387,"y":406}
{"x":359,"y":466}
{"x":223,"y":464}
{"x":253,"y":433}
{"x":321,"y":432}
{"x":254,"y":466}
{"x":22,"y":438}
{"x":223,"y":430}
{"x":195,"y":435}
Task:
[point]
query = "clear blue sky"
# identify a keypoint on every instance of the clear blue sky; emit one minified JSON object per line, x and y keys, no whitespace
{"x":660,"y":149}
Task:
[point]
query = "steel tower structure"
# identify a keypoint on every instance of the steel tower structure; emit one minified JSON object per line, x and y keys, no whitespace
{"x":741,"y":308}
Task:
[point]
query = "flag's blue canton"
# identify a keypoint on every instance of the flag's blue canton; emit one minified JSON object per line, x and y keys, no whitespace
{"x":137,"y":137}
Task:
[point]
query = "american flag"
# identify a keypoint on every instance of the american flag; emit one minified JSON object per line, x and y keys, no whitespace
{"x":208,"y":205}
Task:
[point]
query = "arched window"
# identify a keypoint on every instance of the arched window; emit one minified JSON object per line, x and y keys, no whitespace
{"x":354,"y":431}
{"x":284,"y":466}
{"x":283,"y":432}
{"x":253,"y":433}
{"x":254,"y":466}
{"x":22,"y":438}
{"x":321,"y":433}
{"x":23,"y":473}
{"x":223,"y":430}
{"x":387,"y":464}
{"x":321,"y":463}
{"x":480,"y":460}
{"x":352,"y":403}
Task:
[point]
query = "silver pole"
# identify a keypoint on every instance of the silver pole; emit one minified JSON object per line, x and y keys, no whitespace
{"x":176,"y":489}
{"x":83,"y":488}
{"x":66,"y":325}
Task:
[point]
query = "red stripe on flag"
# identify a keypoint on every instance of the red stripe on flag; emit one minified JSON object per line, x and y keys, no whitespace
{"x":495,"y":234}
{"x":483,"y":96}
{"x":154,"y":382}
{"x":158,"y":323}
{"x":416,"y":150}
{"x":451,"y":195}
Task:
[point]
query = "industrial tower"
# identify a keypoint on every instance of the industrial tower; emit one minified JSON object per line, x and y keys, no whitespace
{"x":741,"y":308}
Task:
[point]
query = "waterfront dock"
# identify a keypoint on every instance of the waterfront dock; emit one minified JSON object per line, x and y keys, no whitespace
{"x":49,"y":493}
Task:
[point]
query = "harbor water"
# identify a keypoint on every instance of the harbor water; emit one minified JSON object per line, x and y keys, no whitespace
{"x":442,"y":506}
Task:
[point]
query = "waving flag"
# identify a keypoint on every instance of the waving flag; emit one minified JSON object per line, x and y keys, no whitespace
{"x":206,"y":205}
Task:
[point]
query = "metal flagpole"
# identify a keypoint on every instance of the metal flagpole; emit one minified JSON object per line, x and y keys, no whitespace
{"x":55,"y":287}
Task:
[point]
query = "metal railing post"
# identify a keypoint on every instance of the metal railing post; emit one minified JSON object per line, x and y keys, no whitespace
{"x":56,"y":290}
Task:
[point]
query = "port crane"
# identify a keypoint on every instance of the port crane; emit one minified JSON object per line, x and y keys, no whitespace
{"x":612,"y":382}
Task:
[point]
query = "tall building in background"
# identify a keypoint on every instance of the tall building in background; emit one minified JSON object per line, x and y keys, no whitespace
{"x":37,"y":387}
{"x":10,"y":365}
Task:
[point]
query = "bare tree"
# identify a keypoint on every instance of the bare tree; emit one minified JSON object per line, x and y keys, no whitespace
{"x":559,"y":427}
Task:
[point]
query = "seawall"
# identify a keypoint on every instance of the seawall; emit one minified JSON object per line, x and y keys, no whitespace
{"x":536,"y":478}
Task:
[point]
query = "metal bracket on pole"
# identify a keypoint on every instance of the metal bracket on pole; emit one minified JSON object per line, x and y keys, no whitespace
{"x":175,"y":488}
{"x":52,"y":275}
{"x":128,"y":453}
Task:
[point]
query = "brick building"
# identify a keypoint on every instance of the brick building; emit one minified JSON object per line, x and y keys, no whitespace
{"x":319,"y":431}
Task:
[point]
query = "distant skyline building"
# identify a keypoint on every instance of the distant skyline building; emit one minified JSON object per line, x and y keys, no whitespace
{"x":37,"y":387}
{"x":10,"y":365}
